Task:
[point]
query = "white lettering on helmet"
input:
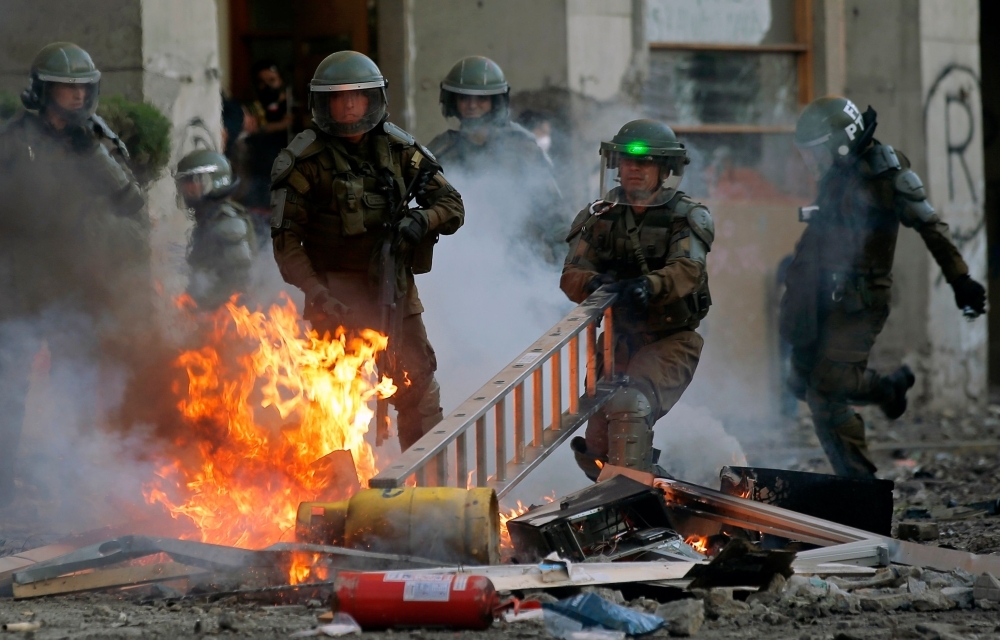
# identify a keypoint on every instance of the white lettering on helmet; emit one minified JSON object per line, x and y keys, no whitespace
{"x":859,"y":123}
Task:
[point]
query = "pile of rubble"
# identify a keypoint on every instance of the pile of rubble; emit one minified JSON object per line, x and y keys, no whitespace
{"x":632,"y":555}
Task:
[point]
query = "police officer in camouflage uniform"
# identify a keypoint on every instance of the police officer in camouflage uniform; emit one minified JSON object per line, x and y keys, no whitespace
{"x":837,"y":287}
{"x":72,"y":208}
{"x":487,"y":144}
{"x":648,"y":241}
{"x":333,"y":191}
{"x":222,"y":244}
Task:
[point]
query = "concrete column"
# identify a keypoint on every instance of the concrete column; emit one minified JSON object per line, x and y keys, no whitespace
{"x":953,"y":125}
{"x":181,"y":77}
{"x":599,"y":36}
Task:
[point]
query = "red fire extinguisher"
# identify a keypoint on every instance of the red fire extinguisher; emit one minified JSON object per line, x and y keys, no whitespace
{"x":402,"y":599}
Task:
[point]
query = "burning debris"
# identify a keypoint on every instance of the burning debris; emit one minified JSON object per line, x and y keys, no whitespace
{"x":263,"y":401}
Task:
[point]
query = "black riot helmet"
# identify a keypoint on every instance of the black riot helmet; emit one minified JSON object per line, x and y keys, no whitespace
{"x":343,"y":72}
{"x":642,"y":143}
{"x":59,"y":66}
{"x":476,"y":76}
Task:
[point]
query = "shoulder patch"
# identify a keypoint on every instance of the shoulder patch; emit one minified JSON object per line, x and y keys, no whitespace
{"x":909,"y":185}
{"x":101,"y":128}
{"x":881,"y":158}
{"x":398,"y":134}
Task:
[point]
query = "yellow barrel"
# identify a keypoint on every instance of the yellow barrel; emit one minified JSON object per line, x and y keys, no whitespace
{"x":438,"y":523}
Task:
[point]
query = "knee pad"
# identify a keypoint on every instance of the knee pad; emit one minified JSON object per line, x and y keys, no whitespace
{"x":629,"y":433}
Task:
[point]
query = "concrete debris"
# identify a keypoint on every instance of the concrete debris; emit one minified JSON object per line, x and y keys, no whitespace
{"x":918,"y":531}
{"x":683,"y":617}
{"x":987,"y":588}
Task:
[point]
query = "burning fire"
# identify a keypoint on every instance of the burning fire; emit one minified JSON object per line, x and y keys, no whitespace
{"x":698,"y":543}
{"x":263,"y":401}
{"x":306,"y":567}
{"x":510,"y":514}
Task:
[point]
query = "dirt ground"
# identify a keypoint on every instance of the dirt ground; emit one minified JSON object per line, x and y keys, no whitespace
{"x":927,"y":455}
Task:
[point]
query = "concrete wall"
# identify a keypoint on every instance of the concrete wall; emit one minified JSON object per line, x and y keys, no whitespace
{"x":181,"y":77}
{"x":952,"y":108}
{"x":110,"y":30}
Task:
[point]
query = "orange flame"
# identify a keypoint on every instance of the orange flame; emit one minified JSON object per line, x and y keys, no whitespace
{"x":305,"y":566}
{"x":264,"y":400}
{"x":505,"y":542}
{"x":698,"y":543}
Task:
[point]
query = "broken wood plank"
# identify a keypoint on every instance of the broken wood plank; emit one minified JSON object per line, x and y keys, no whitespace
{"x":9,"y":565}
{"x":106,"y":579}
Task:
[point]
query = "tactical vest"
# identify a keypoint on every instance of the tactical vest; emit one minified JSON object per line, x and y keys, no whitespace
{"x":661,"y":232}
{"x":355,"y":198}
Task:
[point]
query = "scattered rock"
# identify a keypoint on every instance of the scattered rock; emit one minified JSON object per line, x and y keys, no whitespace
{"x":683,"y":617}
{"x":227,"y":621}
{"x":986,"y":587}
{"x":933,"y":601}
{"x":963,"y":596}
{"x":917,"y":531}
{"x":916,"y":586}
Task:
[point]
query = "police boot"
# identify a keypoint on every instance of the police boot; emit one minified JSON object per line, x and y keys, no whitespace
{"x":893,"y":388}
{"x":590,"y":463}
{"x":630,"y":435}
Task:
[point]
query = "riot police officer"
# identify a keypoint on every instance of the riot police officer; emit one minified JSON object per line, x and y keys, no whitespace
{"x":72,"y":232}
{"x":335,"y":189}
{"x":222,"y":244}
{"x":650,"y":242}
{"x":836,"y":299}
{"x":487,"y":145}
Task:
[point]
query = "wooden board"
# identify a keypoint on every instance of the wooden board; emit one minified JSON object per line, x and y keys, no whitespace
{"x":9,"y":565}
{"x":106,"y":579}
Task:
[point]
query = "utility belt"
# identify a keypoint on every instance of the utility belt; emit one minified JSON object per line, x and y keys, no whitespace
{"x":854,"y":290}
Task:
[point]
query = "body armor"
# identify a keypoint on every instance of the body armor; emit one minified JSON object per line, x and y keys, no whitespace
{"x":681,"y":228}
{"x":354,"y":197}
{"x":220,"y":253}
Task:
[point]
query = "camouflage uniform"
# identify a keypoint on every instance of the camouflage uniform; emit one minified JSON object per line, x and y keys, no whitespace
{"x":656,"y":347}
{"x":332,"y":203}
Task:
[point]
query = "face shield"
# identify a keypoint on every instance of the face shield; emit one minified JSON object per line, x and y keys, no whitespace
{"x":818,"y":159}
{"x":347,"y":110}
{"x":637,"y":179}
{"x":74,"y":102}
{"x":202,"y":182}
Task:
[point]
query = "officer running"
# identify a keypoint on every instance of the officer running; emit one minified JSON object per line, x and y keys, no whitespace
{"x":333,"y":191}
{"x":650,"y":242}
{"x":836,"y":299}
{"x":73,"y":211}
{"x":222,"y":244}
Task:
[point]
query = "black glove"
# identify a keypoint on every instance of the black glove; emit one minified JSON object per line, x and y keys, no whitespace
{"x":970,"y":296}
{"x":597,"y":282}
{"x":637,"y":292}
{"x":411,"y":229}
{"x":325,"y":308}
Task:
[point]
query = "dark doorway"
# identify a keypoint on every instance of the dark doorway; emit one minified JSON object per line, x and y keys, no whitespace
{"x":296,"y":36}
{"x":989,"y":47}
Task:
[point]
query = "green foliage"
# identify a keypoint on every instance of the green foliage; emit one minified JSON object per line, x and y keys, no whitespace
{"x":9,"y":105}
{"x":144,"y":130}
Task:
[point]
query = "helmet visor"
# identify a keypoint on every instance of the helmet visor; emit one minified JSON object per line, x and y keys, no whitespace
{"x":73,"y":101}
{"x":193,"y":187}
{"x":348,"y":112}
{"x":639,"y":180}
{"x":818,"y":159}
